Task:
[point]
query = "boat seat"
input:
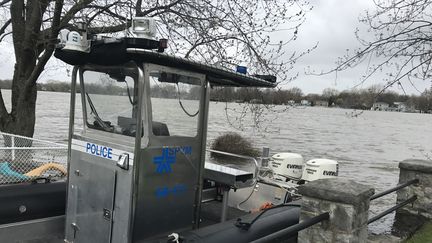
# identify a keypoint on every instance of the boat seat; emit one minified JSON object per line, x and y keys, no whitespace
{"x":128,"y":126}
{"x":160,"y":129}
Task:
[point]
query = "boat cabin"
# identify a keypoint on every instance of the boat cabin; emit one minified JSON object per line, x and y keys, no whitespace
{"x":137,"y":157}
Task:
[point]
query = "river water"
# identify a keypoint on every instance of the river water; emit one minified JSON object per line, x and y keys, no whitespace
{"x":368,"y":146}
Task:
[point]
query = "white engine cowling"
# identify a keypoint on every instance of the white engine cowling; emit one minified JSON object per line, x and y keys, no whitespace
{"x":319,"y":169}
{"x":289,"y":165}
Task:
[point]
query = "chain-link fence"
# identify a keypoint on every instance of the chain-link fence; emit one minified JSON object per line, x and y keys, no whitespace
{"x":24,"y":159}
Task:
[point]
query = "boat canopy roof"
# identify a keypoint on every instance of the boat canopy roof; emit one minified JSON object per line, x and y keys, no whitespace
{"x":121,"y":51}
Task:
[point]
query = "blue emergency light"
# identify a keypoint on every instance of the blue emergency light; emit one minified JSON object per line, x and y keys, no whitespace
{"x":242,"y":69}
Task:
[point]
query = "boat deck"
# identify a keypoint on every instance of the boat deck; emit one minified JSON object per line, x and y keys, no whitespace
{"x":211,"y":213}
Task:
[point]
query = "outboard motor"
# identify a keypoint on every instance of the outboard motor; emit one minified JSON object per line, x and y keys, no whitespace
{"x":291,"y":166}
{"x":287,"y":166}
{"x":320,"y":169}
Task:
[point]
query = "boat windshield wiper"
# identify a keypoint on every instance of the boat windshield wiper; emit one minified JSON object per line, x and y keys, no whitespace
{"x":96,"y":116}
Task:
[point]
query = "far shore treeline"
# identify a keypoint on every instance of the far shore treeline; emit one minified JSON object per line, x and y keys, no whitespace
{"x":355,"y":99}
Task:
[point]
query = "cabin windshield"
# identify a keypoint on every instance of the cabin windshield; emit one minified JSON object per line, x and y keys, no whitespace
{"x":111,"y":102}
{"x":175,"y":100}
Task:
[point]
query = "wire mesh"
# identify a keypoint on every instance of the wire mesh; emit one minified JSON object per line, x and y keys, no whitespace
{"x":24,"y":159}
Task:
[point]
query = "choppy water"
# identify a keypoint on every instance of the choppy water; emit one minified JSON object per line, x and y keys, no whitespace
{"x":368,"y":147}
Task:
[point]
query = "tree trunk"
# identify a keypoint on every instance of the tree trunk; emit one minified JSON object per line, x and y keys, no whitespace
{"x":22,"y":118}
{"x":23,"y":122}
{"x":31,"y":54}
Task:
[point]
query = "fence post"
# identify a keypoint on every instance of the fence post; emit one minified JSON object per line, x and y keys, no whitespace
{"x":348,"y":205}
{"x":421,"y":170}
{"x":13,"y":146}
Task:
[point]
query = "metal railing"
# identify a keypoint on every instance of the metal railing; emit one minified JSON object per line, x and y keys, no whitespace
{"x":23,"y":159}
{"x":255,"y":162}
{"x":394,"y":208}
{"x":397,"y":206}
{"x":398,"y":187}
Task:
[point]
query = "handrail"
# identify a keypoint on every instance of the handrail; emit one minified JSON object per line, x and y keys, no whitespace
{"x":381,"y":194}
{"x":293,"y":229}
{"x":394,"y":208}
{"x":239,"y":156}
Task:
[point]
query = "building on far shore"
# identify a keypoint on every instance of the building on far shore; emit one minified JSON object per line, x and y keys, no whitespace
{"x":403,"y":107}
{"x":305,"y":102}
{"x":380,"y":106}
{"x":291,"y":102}
{"x":321,"y":103}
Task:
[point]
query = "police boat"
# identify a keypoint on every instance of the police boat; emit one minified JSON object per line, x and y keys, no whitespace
{"x":137,"y":169}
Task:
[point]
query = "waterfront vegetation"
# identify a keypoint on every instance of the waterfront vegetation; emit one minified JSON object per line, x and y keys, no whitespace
{"x":423,"y":235}
{"x":363,"y":99}
{"x":232,"y":142}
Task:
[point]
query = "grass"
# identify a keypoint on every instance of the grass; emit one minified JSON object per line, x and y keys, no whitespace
{"x":423,"y":235}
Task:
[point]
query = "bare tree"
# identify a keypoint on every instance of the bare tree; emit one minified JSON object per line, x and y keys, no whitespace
{"x":34,"y":26}
{"x":223,"y":32}
{"x":398,"y":41}
{"x":330,"y":95}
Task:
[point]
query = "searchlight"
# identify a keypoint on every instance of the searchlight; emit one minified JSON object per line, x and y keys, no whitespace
{"x":144,"y":27}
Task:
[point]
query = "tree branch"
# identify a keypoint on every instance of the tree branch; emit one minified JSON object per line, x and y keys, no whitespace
{"x":75,"y":9}
{"x":3,"y":36}
{"x":49,"y":49}
{"x":109,"y":29}
{"x":138,"y":6}
{"x":4,"y":2}
{"x":5,"y":25}
{"x":55,"y":27}
{"x":407,"y":73}
{"x":141,"y":13}
{"x":34,"y":22}
{"x":204,"y":42}
{"x":39,"y":67}
{"x":105,"y":9}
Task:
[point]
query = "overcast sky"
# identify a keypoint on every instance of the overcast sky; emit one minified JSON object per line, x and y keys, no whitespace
{"x":331,"y":23}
